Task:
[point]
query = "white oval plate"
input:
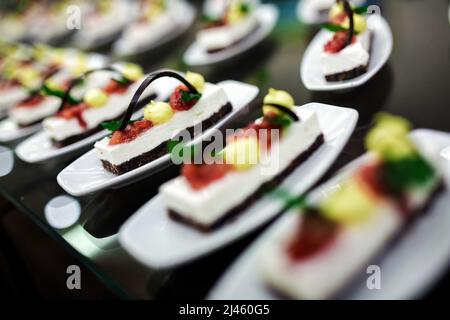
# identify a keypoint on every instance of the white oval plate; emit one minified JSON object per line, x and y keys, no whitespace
{"x":183,"y":19}
{"x":267,"y":15}
{"x":10,"y":130}
{"x":307,"y":11}
{"x":311,"y":71}
{"x":86,"y":174}
{"x":159,"y":242}
{"x":408,"y":268}
{"x":39,"y":147}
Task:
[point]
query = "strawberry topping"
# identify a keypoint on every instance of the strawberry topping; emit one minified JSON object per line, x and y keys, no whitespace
{"x":75,"y":112}
{"x":115,"y":87}
{"x":200,"y":176}
{"x":32,"y":101}
{"x":176,"y":100}
{"x":338,"y":42}
{"x":130,"y":133}
{"x":313,"y":235}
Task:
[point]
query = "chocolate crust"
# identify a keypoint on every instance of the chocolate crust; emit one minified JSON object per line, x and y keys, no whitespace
{"x":236,"y":42}
{"x":347,"y":75}
{"x":81,"y":136}
{"x":233,"y":212}
{"x":161,"y":149}
{"x":351,"y":74}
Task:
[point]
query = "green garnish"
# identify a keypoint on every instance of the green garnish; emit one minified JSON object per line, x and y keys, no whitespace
{"x":244,"y":8}
{"x":283,"y":121}
{"x":289,"y":200}
{"x":408,"y":172}
{"x":209,"y":19}
{"x":361,"y":10}
{"x":333,"y":27}
{"x":188,"y":96}
{"x":113,"y":125}
{"x":45,"y":90}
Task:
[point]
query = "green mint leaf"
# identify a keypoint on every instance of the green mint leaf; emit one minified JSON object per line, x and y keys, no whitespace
{"x":45,"y":90}
{"x":113,"y":125}
{"x":244,"y":8}
{"x":405,"y":173}
{"x":361,"y":10}
{"x":188,"y":96}
{"x":333,"y":27}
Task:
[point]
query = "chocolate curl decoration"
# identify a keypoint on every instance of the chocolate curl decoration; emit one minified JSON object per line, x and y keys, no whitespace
{"x":147,"y":81}
{"x":349,"y":11}
{"x":76,"y":81}
{"x":285,"y":110}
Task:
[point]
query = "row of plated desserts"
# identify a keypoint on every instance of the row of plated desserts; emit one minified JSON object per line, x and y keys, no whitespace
{"x":135,"y":27}
{"x":140,"y":115}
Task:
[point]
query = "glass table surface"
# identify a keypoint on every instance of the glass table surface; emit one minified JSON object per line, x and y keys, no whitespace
{"x":414,"y":83}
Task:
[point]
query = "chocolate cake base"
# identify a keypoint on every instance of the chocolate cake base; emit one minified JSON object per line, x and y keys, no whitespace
{"x":161,"y":149}
{"x":81,"y":136}
{"x":347,"y":75}
{"x":236,"y":42}
{"x":255,"y":196}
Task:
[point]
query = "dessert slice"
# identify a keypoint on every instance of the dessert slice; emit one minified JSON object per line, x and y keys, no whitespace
{"x":83,"y":117}
{"x":155,"y":20}
{"x":256,"y":157}
{"x":317,"y":253}
{"x":135,"y":143}
{"x":237,"y":21}
{"x":346,"y":55}
{"x":38,"y":104}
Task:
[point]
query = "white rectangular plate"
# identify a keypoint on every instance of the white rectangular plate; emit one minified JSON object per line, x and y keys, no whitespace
{"x":408,"y":268}
{"x":311,"y":70}
{"x":86,"y":174}
{"x":159,"y":242}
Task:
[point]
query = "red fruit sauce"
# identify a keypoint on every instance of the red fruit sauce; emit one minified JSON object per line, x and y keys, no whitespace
{"x":201,"y":175}
{"x":32,"y":101}
{"x":177,"y":103}
{"x":338,"y":42}
{"x":314,"y":234}
{"x":75,"y":112}
{"x":130,"y":133}
{"x":114,"y":87}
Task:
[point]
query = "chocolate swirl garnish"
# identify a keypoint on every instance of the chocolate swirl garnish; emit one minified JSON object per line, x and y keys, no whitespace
{"x":78,"y":80}
{"x":351,"y":30}
{"x":285,"y":110}
{"x":147,"y":81}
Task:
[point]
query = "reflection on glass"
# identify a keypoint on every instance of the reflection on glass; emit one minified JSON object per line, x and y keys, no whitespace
{"x":445,"y":153}
{"x":62,"y":212}
{"x":6,"y":161}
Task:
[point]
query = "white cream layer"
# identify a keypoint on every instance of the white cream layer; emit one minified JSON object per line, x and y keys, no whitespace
{"x":351,"y":57}
{"x":323,"y":274}
{"x":140,"y":35}
{"x":60,"y":128}
{"x":28,"y":115}
{"x":213,"y":98}
{"x":208,"y":205}
{"x":224,"y":36}
{"x":11,"y":97}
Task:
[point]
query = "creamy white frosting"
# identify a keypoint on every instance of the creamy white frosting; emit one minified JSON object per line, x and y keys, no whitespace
{"x":11,"y":97}
{"x":207,"y":205}
{"x":213,"y":98}
{"x":323,"y":274}
{"x":28,"y":115}
{"x":139,"y":35}
{"x":60,"y":128}
{"x":224,"y":36}
{"x":102,"y":25}
{"x":351,"y":57}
